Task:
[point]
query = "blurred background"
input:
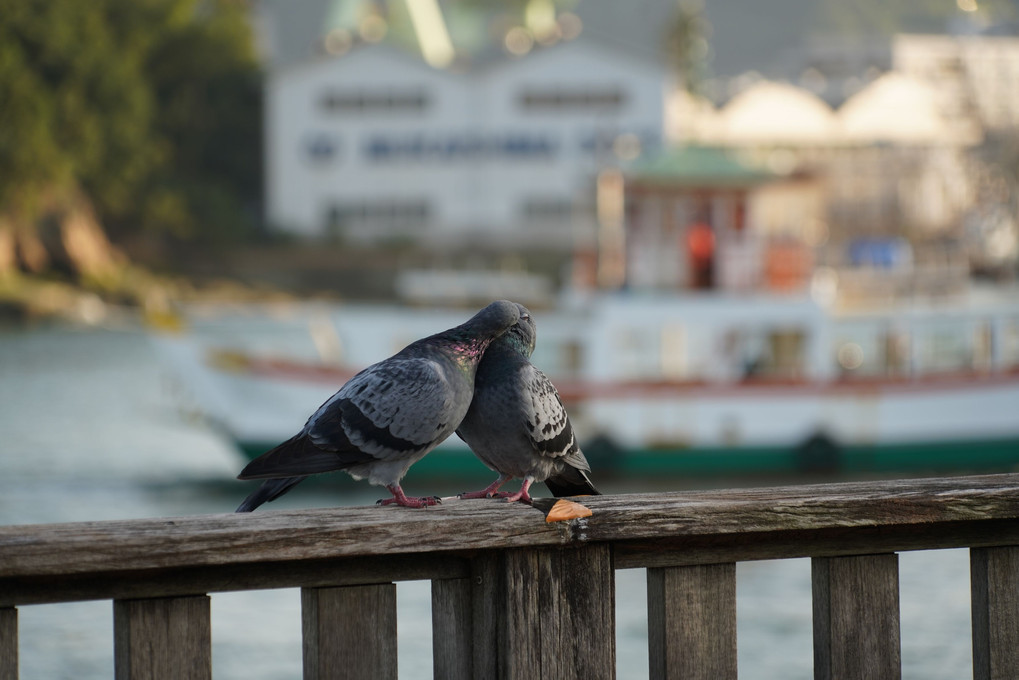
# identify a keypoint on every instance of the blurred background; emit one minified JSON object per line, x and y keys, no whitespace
{"x":764,"y":242}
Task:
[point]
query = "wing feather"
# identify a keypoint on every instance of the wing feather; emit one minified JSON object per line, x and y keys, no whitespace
{"x":390,"y":410}
{"x":298,"y":456}
{"x":548,"y":426}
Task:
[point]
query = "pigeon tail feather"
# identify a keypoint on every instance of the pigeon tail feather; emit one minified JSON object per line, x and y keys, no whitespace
{"x":298,"y":456}
{"x":571,"y":482}
{"x":270,"y":490}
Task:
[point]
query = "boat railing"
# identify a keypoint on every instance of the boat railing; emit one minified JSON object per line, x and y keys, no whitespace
{"x":516,"y":596}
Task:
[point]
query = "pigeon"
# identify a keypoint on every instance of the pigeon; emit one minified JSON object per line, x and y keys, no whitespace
{"x":517,"y":424}
{"x":388,"y":416}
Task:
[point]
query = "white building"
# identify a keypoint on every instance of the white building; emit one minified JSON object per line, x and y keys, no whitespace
{"x":376,"y":145}
{"x":973,"y":77}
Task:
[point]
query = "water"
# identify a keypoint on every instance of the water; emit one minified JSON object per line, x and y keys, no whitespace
{"x":91,"y":431}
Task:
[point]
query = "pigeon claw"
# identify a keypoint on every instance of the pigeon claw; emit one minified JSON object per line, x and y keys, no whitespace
{"x":523,"y":496}
{"x":489,"y":491}
{"x":399,"y":498}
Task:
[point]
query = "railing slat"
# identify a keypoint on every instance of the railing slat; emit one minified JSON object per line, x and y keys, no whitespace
{"x":692,"y":621}
{"x":545,"y":613}
{"x":856,"y":617}
{"x":451,"y":629}
{"x":994,"y":582}
{"x":8,"y":643}
{"x":582,"y":582}
{"x":162,"y":638}
{"x":349,"y":632}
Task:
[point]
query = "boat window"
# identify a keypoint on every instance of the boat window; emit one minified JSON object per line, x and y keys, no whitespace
{"x":1010,"y":344}
{"x":772,"y":354}
{"x":787,"y":352}
{"x":572,"y":355}
{"x":637,"y":354}
{"x":674,"y":352}
{"x":860,"y":349}
{"x":945,"y":347}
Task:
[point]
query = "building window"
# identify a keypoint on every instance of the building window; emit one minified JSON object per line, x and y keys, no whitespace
{"x":557,"y":99}
{"x":358,"y":102}
{"x":457,"y":147}
{"x":382,"y":211}
{"x":321,"y":148}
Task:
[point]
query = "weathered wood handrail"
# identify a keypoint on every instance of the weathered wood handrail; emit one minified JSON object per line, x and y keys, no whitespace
{"x":494,"y":565}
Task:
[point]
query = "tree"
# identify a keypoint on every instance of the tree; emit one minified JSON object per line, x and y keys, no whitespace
{"x":75,"y":108}
{"x":207,"y":89}
{"x":686,"y":43}
{"x":148,"y":110}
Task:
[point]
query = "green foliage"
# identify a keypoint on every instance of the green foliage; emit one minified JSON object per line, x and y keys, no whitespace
{"x":686,"y":43}
{"x":151,"y":108}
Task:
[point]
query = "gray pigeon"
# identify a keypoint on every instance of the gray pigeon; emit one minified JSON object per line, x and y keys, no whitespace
{"x":388,"y":416}
{"x":517,"y":424}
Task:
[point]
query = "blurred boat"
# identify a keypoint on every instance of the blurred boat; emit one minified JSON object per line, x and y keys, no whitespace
{"x":664,"y":385}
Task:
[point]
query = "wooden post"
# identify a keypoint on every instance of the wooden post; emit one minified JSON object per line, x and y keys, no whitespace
{"x":8,"y":643}
{"x":452,"y":629}
{"x":692,"y":621}
{"x":856,"y":617}
{"x":544,"y":613}
{"x":162,"y":638}
{"x":994,"y":583}
{"x":349,"y":632}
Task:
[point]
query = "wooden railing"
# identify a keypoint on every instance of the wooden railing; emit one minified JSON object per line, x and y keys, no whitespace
{"x":516,"y":597}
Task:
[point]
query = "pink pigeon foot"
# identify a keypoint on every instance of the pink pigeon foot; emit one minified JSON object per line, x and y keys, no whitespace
{"x":490,"y":491}
{"x":521,"y":495}
{"x":399,"y":498}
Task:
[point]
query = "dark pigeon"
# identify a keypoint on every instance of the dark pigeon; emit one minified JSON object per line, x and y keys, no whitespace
{"x":517,"y":424}
{"x":388,"y":416}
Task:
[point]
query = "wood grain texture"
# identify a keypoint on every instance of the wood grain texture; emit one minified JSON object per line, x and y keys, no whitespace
{"x":856,"y":617}
{"x":8,"y":643}
{"x":692,"y":622}
{"x":831,"y":541}
{"x":545,"y":613}
{"x":452,"y":629}
{"x":222,"y":552}
{"x":261,"y":576}
{"x":994,"y":581}
{"x":349,"y":632}
{"x":162,"y":639}
{"x":580,"y":585}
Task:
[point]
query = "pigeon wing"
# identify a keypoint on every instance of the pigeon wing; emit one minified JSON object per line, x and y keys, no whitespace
{"x":394,"y":409}
{"x":547,"y":424}
{"x":554,"y":438}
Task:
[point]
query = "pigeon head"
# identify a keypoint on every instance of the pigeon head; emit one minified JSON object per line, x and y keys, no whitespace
{"x":522,"y":335}
{"x":494,"y":319}
{"x":468,"y":341}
